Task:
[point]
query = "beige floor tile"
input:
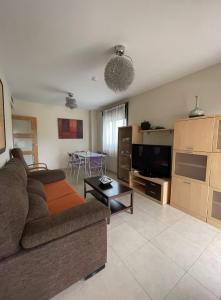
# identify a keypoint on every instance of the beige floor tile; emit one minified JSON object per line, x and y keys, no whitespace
{"x":125,"y":240}
{"x":115,"y":221}
{"x":138,"y":269}
{"x":144,"y":223}
{"x":167,"y":214}
{"x":215,"y":246}
{"x":189,"y":289}
{"x":195,"y":230}
{"x":207,"y":270}
{"x":114,"y":282}
{"x":183,"y":251}
{"x":154,"y":270}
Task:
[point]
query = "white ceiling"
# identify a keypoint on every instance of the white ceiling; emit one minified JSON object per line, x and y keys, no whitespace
{"x":49,"y":47}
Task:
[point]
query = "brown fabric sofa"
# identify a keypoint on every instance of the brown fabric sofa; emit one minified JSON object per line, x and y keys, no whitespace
{"x":42,"y":253}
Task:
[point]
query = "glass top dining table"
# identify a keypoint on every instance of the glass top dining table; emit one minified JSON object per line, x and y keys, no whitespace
{"x":88,"y":154}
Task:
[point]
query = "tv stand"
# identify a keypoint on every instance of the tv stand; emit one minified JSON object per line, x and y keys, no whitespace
{"x":158,"y":189}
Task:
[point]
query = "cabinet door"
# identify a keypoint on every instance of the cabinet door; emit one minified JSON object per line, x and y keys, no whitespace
{"x":190,"y":196}
{"x":192,"y":165}
{"x":217,"y":135}
{"x":215,"y":173}
{"x":198,"y":199}
{"x":136,"y":135}
{"x":180,"y":193}
{"x":182,"y":139}
{"x":194,"y":135}
{"x":124,"y":152}
{"x":214,"y":211}
{"x":202,"y":131}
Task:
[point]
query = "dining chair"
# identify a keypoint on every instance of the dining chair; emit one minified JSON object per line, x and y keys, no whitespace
{"x":104,"y":157}
{"x":95,"y":164}
{"x":76,"y":163}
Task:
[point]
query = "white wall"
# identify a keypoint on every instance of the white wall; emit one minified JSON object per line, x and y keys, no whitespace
{"x":8,"y":120}
{"x":52,"y":150}
{"x":163,"y":105}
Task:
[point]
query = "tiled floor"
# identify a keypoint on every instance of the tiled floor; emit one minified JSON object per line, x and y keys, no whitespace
{"x":156,"y":253}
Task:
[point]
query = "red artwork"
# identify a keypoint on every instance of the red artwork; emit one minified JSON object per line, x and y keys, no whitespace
{"x":70,"y":129}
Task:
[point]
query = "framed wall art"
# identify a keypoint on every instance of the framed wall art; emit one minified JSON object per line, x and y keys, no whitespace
{"x":70,"y":129}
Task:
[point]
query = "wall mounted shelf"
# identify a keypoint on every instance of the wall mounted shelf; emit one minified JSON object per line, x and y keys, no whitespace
{"x":170,"y":130}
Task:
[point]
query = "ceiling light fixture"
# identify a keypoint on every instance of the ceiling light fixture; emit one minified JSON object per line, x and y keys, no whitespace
{"x":71,"y":101}
{"x":119,"y":71}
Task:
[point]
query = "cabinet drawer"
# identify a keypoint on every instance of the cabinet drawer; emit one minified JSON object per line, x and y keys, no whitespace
{"x":153,"y":189}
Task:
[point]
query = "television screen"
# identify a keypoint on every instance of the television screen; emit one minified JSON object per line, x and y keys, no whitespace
{"x":152,"y":160}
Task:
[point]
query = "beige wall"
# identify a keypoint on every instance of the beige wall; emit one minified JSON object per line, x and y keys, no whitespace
{"x":163,"y":105}
{"x":52,"y":150}
{"x":8,"y":121}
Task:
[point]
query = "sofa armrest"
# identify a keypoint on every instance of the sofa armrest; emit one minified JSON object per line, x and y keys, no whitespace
{"x":53,"y":227}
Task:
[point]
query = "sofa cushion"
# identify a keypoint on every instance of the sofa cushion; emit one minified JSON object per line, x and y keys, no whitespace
{"x":36,"y":187}
{"x":47,"y":176}
{"x":57,"y":190}
{"x":37,"y":207}
{"x":13,"y":206}
{"x":60,"y":204}
{"x":61,"y":195}
{"x":57,"y":226}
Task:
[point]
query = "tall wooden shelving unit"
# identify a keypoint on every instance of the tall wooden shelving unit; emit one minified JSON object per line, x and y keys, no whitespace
{"x":127,"y":136}
{"x":196,"y":174}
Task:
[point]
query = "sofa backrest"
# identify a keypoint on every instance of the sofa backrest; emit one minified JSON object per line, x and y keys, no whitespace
{"x":13,"y":206}
{"x":17,"y":153}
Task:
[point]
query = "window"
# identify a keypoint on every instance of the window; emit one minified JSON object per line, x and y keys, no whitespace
{"x":112,"y":119}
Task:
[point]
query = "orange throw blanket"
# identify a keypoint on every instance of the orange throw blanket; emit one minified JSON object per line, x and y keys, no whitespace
{"x":61,"y":195}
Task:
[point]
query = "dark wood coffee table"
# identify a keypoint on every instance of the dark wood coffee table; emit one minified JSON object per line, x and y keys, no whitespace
{"x":107,"y":195}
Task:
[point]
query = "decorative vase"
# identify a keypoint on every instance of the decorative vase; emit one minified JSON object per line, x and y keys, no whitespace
{"x":197,"y":111}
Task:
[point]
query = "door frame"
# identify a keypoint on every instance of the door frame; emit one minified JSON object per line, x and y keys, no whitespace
{"x":32,"y":135}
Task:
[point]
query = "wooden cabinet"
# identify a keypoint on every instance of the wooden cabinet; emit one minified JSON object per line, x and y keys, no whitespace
{"x":127,"y":136}
{"x":214,"y":209}
{"x":195,"y":167}
{"x":190,"y":196}
{"x":194,"y":134}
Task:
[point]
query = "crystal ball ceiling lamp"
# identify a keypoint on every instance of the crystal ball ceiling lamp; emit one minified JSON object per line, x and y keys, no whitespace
{"x":119,"y":71}
{"x":70,"y":101}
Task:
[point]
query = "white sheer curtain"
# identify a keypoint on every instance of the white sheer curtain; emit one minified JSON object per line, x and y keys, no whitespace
{"x":112,"y":119}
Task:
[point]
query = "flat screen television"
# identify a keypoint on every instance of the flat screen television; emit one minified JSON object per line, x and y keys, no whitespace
{"x":152,"y":160}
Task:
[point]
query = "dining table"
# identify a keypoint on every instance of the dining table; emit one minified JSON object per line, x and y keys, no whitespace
{"x":89,"y":154}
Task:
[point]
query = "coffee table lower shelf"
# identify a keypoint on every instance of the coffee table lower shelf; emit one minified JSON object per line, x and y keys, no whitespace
{"x":108,"y":195}
{"x":115,"y":206}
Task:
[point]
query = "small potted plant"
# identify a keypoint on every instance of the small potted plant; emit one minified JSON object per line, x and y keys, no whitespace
{"x":145,"y":125}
